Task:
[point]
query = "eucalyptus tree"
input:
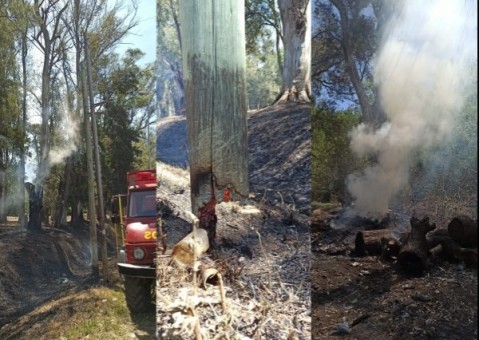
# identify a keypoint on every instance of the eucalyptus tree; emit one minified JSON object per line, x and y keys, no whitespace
{"x":296,"y":77}
{"x":344,"y":46}
{"x":290,"y":24}
{"x":213,"y":40}
{"x":170,"y":88}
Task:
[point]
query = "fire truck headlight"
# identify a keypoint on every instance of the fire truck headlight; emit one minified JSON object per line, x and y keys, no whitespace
{"x":138,"y":253}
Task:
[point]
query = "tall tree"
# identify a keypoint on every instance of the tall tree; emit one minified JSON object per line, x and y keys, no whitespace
{"x":263,"y":21}
{"x":47,"y":35}
{"x":128,"y":93}
{"x":344,"y":45}
{"x":170,"y":88}
{"x":296,"y":77}
{"x":214,"y":70}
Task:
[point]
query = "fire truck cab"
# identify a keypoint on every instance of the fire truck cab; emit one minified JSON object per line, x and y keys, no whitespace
{"x":137,"y":254}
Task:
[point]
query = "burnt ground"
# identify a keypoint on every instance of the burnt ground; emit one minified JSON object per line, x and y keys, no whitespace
{"x":371,"y":298}
{"x":47,"y":287}
{"x":263,"y":244}
{"x":37,"y":267}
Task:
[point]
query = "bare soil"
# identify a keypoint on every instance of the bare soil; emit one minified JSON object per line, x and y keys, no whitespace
{"x":262,"y":245}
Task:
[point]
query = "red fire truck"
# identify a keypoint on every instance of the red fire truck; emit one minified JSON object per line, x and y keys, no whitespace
{"x":137,"y":254}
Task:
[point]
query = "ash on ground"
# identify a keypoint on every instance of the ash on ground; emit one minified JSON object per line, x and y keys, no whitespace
{"x":262,"y":246}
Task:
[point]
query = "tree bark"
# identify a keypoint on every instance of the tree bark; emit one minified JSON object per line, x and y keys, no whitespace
{"x":96,"y":154}
{"x":296,"y":75}
{"x":34,"y":208}
{"x":214,"y":71}
{"x":413,"y":255}
{"x":21,"y":178}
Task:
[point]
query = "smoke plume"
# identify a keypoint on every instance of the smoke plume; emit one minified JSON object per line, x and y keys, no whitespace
{"x":70,"y":130}
{"x":422,"y":73}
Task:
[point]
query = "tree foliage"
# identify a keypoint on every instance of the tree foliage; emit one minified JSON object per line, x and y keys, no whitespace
{"x":332,"y":159}
{"x":344,"y":44}
{"x":46,"y":39}
{"x":126,"y":90}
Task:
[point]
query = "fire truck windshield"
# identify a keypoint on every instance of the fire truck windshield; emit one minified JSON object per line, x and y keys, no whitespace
{"x":142,"y":203}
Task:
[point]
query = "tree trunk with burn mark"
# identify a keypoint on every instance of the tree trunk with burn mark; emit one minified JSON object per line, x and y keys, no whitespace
{"x":413,"y":254}
{"x":215,"y":91}
{"x":34,"y":208}
{"x":296,"y":70}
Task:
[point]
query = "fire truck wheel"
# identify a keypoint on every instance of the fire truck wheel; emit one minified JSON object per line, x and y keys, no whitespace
{"x":138,"y":293}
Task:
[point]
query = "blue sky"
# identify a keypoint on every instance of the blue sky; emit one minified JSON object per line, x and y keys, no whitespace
{"x":142,"y":36}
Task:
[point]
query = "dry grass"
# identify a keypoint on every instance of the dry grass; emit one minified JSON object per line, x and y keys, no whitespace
{"x":174,"y":176}
{"x":259,"y":303}
{"x":95,"y":313}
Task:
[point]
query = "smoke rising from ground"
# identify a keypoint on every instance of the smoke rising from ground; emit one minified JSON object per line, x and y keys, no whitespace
{"x":422,"y":73}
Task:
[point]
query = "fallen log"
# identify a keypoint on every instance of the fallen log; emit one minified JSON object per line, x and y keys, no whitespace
{"x":376,"y":242}
{"x":434,"y":252}
{"x":463,"y":230}
{"x":191,"y":247}
{"x":437,"y":237}
{"x":413,"y":254}
{"x":440,"y":242}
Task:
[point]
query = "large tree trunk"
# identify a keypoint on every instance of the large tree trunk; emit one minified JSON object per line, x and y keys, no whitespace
{"x":34,"y":208}
{"x":296,"y":76}
{"x":21,"y":179}
{"x":214,"y":71}
{"x":96,"y":154}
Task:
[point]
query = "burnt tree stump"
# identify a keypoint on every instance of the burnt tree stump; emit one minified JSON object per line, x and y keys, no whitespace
{"x":413,"y":254}
{"x":463,"y":230}
{"x":34,"y":208}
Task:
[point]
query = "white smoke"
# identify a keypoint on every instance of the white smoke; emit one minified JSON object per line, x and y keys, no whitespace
{"x":70,"y":135}
{"x":422,"y":72}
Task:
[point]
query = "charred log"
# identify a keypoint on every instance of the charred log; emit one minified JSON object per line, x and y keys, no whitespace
{"x":437,"y":237}
{"x":413,"y":254}
{"x":376,"y":242}
{"x":463,"y":230}
{"x":440,"y":243}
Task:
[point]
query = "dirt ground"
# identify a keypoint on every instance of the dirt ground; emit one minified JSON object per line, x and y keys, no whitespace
{"x":263,"y":244}
{"x":370,"y":298}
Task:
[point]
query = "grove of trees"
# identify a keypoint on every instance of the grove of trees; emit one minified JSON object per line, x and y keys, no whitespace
{"x":278,"y":33}
{"x":60,"y":110}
